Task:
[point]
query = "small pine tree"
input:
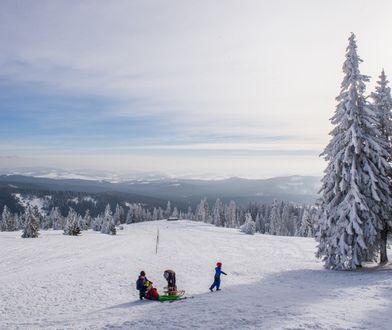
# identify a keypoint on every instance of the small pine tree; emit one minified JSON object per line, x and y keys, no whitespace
{"x":112,"y":228}
{"x":129,"y":218}
{"x":108,"y":224}
{"x":168,"y":209}
{"x":306,"y":227}
{"x":117,"y":215}
{"x":249,"y":227}
{"x":31,"y":224}
{"x":72,"y":226}
{"x":4,"y":220}
{"x":275,"y":219}
{"x":56,"y":218}
{"x":202,"y":211}
{"x":96,"y":224}
{"x":218,"y":216}
{"x":259,"y":223}
{"x":231,"y":215}
{"x":87,"y":219}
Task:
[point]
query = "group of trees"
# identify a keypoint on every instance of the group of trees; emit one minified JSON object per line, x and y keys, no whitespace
{"x":355,"y":206}
{"x":32,"y":220}
{"x":278,"y":218}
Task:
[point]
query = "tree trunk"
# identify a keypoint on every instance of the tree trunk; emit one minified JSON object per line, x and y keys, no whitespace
{"x":383,"y":246}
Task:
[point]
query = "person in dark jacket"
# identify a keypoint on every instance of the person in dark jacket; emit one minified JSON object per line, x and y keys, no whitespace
{"x":218,"y":273}
{"x":141,"y":284}
{"x":170,"y":277}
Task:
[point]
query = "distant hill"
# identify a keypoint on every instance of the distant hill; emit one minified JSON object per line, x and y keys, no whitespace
{"x":157,"y":191}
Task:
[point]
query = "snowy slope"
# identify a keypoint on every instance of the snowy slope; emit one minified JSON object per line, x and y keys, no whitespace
{"x":88,"y":282}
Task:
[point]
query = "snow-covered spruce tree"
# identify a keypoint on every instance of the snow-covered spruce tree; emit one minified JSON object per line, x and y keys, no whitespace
{"x":287,"y":224}
{"x":175,"y":213}
{"x":31,"y":224}
{"x":231,"y":215}
{"x":56,"y":218}
{"x":155,"y":214}
{"x":129,"y":219}
{"x":117,"y":215}
{"x":108,"y":224}
{"x":81,"y":223}
{"x":259,"y":223}
{"x":5,"y":219}
{"x":249,"y":227}
{"x":355,"y":189}
{"x":189,"y":214}
{"x":202,"y":211}
{"x":112,"y":228}
{"x":71,"y":225}
{"x":3,"y":223}
{"x":218,"y":216}
{"x":306,"y":228}
{"x":275,"y":219}
{"x":168,"y":209}
{"x":96,"y":224}
{"x":382,"y":102}
{"x":87,"y":219}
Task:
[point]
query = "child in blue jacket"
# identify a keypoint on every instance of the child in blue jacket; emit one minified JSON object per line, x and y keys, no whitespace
{"x":142,"y":284}
{"x":218,"y":272}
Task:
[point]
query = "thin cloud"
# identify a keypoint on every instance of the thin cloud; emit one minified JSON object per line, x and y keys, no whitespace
{"x":179,"y":75}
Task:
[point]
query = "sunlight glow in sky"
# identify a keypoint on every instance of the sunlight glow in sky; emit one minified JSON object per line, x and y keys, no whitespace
{"x":225,"y":88}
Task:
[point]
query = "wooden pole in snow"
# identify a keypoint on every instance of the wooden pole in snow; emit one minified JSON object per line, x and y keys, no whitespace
{"x":157,"y":242}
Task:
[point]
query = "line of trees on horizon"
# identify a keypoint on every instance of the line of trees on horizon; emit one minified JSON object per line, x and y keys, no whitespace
{"x":279,"y":218}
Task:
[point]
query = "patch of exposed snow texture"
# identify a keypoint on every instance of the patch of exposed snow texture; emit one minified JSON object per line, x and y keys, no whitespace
{"x":74,"y":200}
{"x":33,"y":201}
{"x":88,"y":282}
{"x":90,"y":199}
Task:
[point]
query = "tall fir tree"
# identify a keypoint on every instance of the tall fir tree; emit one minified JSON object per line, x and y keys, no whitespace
{"x":382,"y":102}
{"x":355,"y":188}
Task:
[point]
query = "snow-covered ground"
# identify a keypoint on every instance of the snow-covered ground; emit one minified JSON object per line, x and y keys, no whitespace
{"x":88,"y":282}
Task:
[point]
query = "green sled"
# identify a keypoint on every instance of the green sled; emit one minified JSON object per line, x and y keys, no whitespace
{"x":168,"y":298}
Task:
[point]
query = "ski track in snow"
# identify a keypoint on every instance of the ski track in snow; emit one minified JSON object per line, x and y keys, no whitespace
{"x":88,"y":282}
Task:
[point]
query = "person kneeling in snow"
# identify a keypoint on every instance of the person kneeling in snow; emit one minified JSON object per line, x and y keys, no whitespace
{"x":218,"y":272}
{"x":141,"y":284}
{"x":151,"y":292}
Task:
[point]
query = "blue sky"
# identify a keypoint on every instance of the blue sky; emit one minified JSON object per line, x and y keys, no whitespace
{"x":224,"y":88}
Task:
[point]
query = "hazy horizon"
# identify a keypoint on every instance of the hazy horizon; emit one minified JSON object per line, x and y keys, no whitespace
{"x":195,"y":88}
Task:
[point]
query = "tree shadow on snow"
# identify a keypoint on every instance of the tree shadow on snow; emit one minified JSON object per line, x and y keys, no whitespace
{"x":294,"y":299}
